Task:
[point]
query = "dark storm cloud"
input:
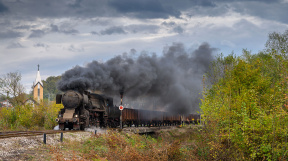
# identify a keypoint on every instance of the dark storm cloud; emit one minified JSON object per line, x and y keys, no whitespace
{"x":10,"y":34}
{"x":144,"y":9}
{"x":267,"y":9}
{"x":265,"y":1}
{"x":113,"y":30}
{"x":76,"y":4}
{"x":3,"y":8}
{"x":14,"y":45}
{"x":99,"y":8}
{"x":204,"y":3}
{"x":174,"y":79}
{"x":33,"y":9}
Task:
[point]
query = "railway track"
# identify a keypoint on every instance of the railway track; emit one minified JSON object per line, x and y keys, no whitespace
{"x":9,"y":134}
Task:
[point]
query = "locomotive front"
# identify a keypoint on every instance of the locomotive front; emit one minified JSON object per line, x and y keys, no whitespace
{"x":73,"y":115}
{"x":72,"y":99}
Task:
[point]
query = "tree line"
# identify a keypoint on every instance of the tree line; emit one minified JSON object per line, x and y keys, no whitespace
{"x":245,"y":105}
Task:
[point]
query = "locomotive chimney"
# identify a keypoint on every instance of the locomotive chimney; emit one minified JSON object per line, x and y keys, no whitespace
{"x":121,"y":91}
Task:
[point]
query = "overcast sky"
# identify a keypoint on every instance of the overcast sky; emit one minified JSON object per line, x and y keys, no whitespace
{"x":60,"y":34}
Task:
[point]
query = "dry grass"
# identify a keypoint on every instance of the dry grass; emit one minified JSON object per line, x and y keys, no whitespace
{"x":185,"y":143}
{"x":176,"y":144}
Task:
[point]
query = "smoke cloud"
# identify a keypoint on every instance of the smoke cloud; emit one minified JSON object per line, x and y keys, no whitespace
{"x":171,"y":81}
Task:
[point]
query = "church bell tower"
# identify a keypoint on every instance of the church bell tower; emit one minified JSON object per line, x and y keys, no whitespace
{"x":38,"y":88}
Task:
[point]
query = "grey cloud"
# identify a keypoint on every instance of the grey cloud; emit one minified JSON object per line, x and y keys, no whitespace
{"x":168,"y":24}
{"x":178,"y":29}
{"x":37,"y":33}
{"x":94,"y":33}
{"x":5,"y":22}
{"x":113,"y":30}
{"x":26,"y":27}
{"x":76,"y":4}
{"x":100,"y":22}
{"x":265,"y":10}
{"x":265,"y":1}
{"x":144,"y":9}
{"x":175,"y":28}
{"x":66,"y":29}
{"x":3,"y":8}
{"x":72,"y":48}
{"x":99,"y":8}
{"x":54,"y":28}
{"x":41,"y":45}
{"x":70,"y":31}
{"x":142,"y":28}
{"x":244,"y":24}
{"x":128,"y":29}
{"x":10,"y":34}
{"x":205,"y":3}
{"x":58,"y":8}
{"x":14,"y":45}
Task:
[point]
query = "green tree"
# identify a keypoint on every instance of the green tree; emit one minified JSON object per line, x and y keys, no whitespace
{"x":245,"y":108}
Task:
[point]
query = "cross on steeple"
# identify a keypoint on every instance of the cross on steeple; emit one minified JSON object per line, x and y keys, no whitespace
{"x":38,"y":67}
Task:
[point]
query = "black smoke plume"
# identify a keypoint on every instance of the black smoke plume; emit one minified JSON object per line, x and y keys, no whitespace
{"x":171,"y":81}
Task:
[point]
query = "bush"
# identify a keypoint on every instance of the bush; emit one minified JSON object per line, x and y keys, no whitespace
{"x":29,"y":117}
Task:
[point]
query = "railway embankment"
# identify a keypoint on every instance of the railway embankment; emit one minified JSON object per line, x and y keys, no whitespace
{"x":173,"y":142}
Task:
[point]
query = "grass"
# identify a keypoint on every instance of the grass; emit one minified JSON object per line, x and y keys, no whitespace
{"x":177,"y":144}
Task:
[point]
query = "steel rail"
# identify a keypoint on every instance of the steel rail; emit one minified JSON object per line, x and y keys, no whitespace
{"x":9,"y":134}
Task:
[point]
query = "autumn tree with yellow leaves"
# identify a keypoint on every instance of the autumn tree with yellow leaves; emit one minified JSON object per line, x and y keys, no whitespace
{"x":245,"y":105}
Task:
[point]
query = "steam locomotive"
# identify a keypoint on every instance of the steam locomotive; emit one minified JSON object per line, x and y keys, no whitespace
{"x":84,"y":109}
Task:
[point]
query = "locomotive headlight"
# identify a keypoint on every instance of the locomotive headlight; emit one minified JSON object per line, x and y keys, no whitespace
{"x":76,"y":116}
{"x":59,"y":115}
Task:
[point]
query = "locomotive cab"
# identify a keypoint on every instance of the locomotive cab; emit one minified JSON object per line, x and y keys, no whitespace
{"x":98,"y":105}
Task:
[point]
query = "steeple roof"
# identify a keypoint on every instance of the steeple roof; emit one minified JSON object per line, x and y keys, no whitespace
{"x":38,"y":78}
